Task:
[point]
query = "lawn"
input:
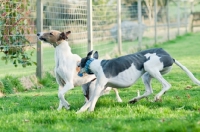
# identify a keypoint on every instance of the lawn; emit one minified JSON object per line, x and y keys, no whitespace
{"x":178,"y":111}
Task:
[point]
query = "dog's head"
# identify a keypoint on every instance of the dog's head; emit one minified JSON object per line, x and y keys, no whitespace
{"x":53,"y":37}
{"x":85,"y":62}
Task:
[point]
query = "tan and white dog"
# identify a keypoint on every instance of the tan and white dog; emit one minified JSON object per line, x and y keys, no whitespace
{"x":66,"y":70}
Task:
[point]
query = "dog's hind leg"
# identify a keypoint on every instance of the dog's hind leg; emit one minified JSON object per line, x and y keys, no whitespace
{"x":165,"y":85}
{"x":61,"y":93}
{"x":146,"y":78}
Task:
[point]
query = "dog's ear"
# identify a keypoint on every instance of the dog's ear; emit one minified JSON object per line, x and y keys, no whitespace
{"x":68,"y":32}
{"x":96,"y":55}
{"x":62,"y":36}
{"x":89,"y":54}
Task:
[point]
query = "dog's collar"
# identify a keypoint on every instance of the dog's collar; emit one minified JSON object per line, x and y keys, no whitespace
{"x":87,"y":69}
{"x":55,"y":44}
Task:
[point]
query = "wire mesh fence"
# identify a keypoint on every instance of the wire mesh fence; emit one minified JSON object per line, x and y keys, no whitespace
{"x":160,"y":22}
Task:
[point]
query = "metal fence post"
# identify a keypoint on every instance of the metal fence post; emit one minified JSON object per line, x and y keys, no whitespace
{"x":185,"y":14}
{"x":155,"y":21}
{"x":39,"y":69}
{"x":89,"y":25}
{"x":139,"y":24}
{"x":119,"y":26}
{"x":178,"y":16}
{"x":191,"y":15}
{"x":168,"y":22}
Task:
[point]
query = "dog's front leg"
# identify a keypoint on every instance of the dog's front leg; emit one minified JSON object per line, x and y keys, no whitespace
{"x":92,"y":101}
{"x":84,"y":107}
{"x":97,"y":93}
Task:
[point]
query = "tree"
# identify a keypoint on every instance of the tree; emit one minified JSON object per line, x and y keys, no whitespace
{"x":149,"y":7}
{"x":13,"y":27}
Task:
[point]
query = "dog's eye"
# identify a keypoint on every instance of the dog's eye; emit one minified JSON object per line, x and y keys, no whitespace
{"x":51,"y":33}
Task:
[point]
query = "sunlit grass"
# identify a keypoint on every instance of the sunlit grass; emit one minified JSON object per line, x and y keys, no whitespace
{"x":179,"y":110}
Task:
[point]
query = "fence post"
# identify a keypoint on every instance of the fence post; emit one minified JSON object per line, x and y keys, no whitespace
{"x":155,"y":21}
{"x":139,"y":24}
{"x":191,"y":16}
{"x":178,"y":16}
{"x":89,"y":25}
{"x":185,"y":14}
{"x":168,"y":22}
{"x":39,"y":69}
{"x":119,"y":26}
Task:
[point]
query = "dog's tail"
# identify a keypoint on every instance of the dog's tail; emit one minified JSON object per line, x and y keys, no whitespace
{"x":191,"y":76}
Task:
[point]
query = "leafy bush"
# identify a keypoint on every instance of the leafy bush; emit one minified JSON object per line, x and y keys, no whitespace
{"x":48,"y":80}
{"x":1,"y":86}
{"x":14,"y":25}
{"x":11,"y":85}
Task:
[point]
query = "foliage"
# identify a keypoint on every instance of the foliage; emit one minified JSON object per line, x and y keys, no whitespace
{"x":11,"y":85}
{"x":1,"y":86}
{"x":48,"y":80}
{"x":100,"y":2}
{"x":13,"y":23}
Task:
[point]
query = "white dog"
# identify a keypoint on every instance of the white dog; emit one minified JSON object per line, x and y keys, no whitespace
{"x":66,"y":69}
{"x":126,"y":70}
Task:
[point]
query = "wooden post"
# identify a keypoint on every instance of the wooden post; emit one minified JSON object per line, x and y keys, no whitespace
{"x":155,"y":21}
{"x":119,"y":27}
{"x":178,"y":16}
{"x":168,"y":22}
{"x":191,"y":16}
{"x":89,"y":25}
{"x":139,"y":24}
{"x":39,"y":69}
{"x":185,"y":14}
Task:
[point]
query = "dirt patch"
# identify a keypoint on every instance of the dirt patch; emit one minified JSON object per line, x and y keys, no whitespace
{"x":1,"y":94}
{"x":29,"y":82}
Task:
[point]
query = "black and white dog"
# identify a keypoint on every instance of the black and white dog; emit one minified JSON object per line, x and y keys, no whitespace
{"x":124,"y":71}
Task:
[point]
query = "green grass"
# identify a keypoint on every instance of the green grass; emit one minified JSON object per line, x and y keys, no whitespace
{"x":179,"y":110}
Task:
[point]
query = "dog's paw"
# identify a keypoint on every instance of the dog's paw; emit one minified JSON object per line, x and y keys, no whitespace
{"x":119,"y":101}
{"x":80,"y":111}
{"x":157,"y":99}
{"x":67,"y":107}
{"x":58,"y":109}
{"x":133,"y":101}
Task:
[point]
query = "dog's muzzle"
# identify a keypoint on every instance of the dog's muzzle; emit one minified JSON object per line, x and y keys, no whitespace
{"x":43,"y":39}
{"x":80,"y":73}
{"x":39,"y":35}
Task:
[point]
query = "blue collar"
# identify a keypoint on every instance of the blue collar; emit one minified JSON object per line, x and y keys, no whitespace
{"x":87,"y":69}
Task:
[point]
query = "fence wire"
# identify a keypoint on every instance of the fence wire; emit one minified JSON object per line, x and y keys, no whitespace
{"x":65,"y":15}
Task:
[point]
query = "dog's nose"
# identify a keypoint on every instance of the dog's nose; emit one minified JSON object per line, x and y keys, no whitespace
{"x":38,"y":34}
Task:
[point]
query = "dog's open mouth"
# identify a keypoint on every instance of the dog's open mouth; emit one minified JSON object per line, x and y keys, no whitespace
{"x":43,"y":39}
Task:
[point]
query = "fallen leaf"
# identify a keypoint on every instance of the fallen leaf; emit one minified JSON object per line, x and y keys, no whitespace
{"x":26,"y":120}
{"x":188,"y":87}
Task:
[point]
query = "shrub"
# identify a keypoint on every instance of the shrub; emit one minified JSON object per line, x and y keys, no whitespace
{"x":48,"y":80}
{"x":1,"y":87}
{"x":14,"y":25}
{"x":11,"y":85}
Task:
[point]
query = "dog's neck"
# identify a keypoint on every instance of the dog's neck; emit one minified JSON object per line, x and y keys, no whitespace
{"x":57,"y":43}
{"x":87,"y":66}
{"x":63,"y":48}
